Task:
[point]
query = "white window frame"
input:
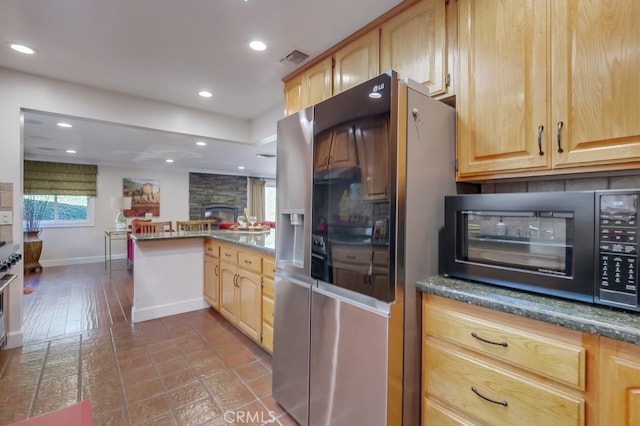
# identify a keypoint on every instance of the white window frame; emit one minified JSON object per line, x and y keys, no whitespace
{"x":89,"y":221}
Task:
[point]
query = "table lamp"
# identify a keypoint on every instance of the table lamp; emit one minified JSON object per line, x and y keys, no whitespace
{"x":121,"y":203}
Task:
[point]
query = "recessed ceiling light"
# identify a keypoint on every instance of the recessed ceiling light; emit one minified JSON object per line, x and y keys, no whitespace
{"x":169,"y":160}
{"x":63,"y":124}
{"x":257,"y":45}
{"x":201,"y":143}
{"x":205,"y":94}
{"x":71,"y":151}
{"x":240,"y":167}
{"x":22,"y":48}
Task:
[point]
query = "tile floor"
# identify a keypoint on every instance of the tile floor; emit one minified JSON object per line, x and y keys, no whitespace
{"x":187,"y":369}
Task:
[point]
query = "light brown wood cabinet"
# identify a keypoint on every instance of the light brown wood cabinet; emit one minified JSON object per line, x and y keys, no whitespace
{"x":212,"y":273}
{"x":335,"y":149}
{"x":312,"y":86}
{"x":268,"y":271}
{"x":547,"y":87}
{"x":483,"y":366}
{"x":414,"y":44}
{"x":364,"y":269}
{"x":413,"y":41}
{"x":357,"y":62}
{"x":619,"y":383}
{"x":241,"y":289}
{"x":372,"y":142}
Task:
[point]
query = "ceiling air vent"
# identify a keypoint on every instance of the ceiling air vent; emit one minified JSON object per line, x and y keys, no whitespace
{"x":296,"y":57}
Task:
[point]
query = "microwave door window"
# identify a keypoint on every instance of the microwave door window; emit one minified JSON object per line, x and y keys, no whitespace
{"x":531,"y":241}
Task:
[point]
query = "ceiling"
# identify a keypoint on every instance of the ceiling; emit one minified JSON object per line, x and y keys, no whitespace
{"x":169,"y":50}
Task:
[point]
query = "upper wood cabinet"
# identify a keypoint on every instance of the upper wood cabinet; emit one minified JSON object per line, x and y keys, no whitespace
{"x":534,"y":97}
{"x":312,"y":86}
{"x":414,"y":44}
{"x":335,"y":149}
{"x":372,"y":141}
{"x":357,"y":62}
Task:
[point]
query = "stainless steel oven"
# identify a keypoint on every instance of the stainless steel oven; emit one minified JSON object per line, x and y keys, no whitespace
{"x":8,"y":258}
{"x":579,"y":245}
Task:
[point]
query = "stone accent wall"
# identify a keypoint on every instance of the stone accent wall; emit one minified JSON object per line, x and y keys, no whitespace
{"x":216,"y":189}
{"x":6,"y":204}
{"x":591,"y":183}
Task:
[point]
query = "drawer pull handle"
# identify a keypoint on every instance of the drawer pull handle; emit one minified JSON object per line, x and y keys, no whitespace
{"x":248,"y":262}
{"x":475,"y":390}
{"x":474,"y":334}
{"x":350,"y":256}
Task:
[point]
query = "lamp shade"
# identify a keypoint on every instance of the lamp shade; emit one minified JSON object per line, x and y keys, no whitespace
{"x":120,"y":203}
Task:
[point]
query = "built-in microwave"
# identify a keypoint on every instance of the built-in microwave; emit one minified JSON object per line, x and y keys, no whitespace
{"x":578,"y":245}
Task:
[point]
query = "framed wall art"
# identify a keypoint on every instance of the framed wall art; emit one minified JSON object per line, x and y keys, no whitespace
{"x":145,"y":196}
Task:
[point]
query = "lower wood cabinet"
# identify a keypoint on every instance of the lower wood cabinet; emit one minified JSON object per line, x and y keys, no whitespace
{"x":481,"y":366}
{"x":211,"y":292}
{"x":238,"y":283}
{"x":619,"y":383}
{"x":486,"y":367}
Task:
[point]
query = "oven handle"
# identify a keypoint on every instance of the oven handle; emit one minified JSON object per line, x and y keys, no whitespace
{"x":6,"y":280}
{"x":318,"y":256}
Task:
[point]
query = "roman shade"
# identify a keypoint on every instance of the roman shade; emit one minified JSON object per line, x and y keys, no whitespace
{"x":46,"y":178}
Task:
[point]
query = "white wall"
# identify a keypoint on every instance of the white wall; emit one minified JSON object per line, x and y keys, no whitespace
{"x":66,"y":246}
{"x":24,"y":91}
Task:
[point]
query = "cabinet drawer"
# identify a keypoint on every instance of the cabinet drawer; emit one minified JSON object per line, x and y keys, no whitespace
{"x":550,"y":358}
{"x":229,"y":254}
{"x":267,"y":336}
{"x":435,"y":414}
{"x":381,"y":258}
{"x":250,"y":261}
{"x":267,"y":287}
{"x":267,"y":310}
{"x":211,"y":248}
{"x":460,"y":380}
{"x":351,"y":254}
{"x":268,"y":266}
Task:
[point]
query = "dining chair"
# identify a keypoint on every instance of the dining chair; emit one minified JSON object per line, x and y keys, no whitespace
{"x":154,"y":227}
{"x":193,"y":225}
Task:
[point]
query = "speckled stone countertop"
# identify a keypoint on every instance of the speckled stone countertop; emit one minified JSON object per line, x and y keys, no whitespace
{"x":255,"y":240}
{"x":600,"y":320}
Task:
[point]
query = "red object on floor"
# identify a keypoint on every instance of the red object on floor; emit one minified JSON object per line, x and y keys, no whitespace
{"x":74,"y":415}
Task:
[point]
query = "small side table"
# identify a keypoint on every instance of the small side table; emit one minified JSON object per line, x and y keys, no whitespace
{"x":110,"y":235}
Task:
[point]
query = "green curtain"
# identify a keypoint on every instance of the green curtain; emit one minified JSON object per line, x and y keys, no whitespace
{"x":46,"y":178}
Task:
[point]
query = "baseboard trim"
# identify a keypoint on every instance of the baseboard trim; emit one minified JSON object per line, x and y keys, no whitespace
{"x":15,"y":339}
{"x":153,"y":312}
{"x":79,"y":260}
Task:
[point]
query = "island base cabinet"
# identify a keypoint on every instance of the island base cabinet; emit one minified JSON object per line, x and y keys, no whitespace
{"x":241,"y":299}
{"x":492,"y":395}
{"x":212,"y":281}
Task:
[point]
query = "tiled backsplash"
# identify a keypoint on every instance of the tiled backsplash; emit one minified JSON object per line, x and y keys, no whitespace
{"x":6,"y":204}
{"x":573,"y":184}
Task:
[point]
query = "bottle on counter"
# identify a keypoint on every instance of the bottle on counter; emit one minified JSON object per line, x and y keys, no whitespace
{"x":501,"y":228}
{"x":344,"y":206}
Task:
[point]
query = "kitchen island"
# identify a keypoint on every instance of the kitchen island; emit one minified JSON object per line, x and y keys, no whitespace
{"x":168,"y":275}
{"x":497,"y":355}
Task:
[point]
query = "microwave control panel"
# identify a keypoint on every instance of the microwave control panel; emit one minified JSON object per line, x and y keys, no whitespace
{"x":617,"y":234}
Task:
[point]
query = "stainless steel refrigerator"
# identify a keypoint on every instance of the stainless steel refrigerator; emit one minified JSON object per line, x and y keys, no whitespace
{"x":380,"y":161}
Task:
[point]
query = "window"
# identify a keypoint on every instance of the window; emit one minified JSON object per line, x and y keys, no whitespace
{"x":63,"y":210}
{"x":270,"y":200}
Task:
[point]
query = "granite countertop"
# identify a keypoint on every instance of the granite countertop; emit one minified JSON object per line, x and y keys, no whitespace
{"x":256,"y":240}
{"x":600,"y":320}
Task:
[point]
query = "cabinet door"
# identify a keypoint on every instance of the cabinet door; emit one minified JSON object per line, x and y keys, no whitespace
{"x":372,"y":140}
{"x":619,"y":383}
{"x":228,"y":290}
{"x":503,"y":86}
{"x":343,"y":149}
{"x":357,"y":62}
{"x":595,"y":81}
{"x":249,"y":295}
{"x":414,"y":44}
{"x":322,"y":152}
{"x":293,"y":96}
{"x":212,"y":281}
{"x":316,"y":83}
